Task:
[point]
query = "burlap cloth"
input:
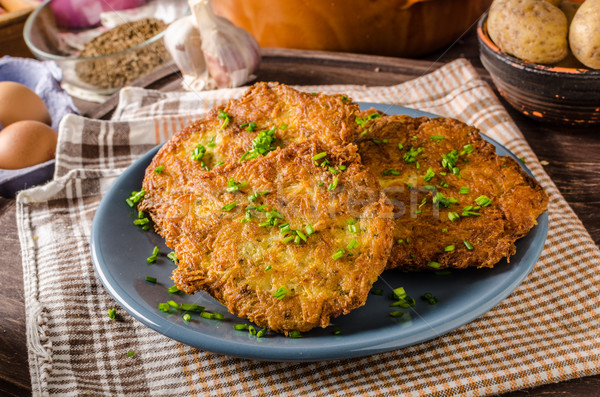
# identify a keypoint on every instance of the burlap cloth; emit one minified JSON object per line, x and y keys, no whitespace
{"x":546,"y":331}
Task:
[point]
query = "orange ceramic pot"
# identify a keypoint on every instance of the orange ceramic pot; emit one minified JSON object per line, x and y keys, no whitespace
{"x":406,"y":28}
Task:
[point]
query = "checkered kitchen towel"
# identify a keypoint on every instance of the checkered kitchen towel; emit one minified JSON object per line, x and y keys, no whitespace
{"x":548,"y":330}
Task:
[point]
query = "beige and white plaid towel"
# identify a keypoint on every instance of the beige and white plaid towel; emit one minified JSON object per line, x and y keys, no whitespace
{"x":546,"y":331}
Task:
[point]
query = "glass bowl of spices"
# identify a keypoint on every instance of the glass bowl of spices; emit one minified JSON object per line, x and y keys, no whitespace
{"x":98,"y":61}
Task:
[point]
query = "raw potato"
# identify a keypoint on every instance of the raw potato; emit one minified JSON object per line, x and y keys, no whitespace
{"x":584,"y":34}
{"x":532,"y":30}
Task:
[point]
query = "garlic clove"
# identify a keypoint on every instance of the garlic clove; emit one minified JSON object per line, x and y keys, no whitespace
{"x":232,"y":55}
{"x":183,"y":41}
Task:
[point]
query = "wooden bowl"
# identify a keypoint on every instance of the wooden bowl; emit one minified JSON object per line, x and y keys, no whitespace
{"x":405,"y":28}
{"x":556,"y":94}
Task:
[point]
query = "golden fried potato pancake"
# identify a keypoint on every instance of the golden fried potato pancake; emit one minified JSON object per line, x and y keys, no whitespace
{"x":267,"y":116}
{"x":456,"y":203}
{"x":287,"y":240}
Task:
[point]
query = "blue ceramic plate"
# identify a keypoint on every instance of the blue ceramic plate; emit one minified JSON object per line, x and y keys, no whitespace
{"x":120,"y":249}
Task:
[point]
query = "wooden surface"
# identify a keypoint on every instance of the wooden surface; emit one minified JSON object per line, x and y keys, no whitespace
{"x":572,"y":156}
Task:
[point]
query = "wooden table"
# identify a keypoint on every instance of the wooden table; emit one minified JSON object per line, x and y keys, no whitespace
{"x":572,"y":156}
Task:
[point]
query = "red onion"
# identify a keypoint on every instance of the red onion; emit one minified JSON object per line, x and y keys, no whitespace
{"x":86,"y":13}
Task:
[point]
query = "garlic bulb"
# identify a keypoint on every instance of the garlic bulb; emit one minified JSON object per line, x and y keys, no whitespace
{"x":231,"y":53}
{"x":182,"y":40}
{"x":210,"y":51}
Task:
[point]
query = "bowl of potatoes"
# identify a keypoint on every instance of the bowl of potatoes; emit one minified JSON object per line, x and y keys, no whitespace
{"x":544,"y":57}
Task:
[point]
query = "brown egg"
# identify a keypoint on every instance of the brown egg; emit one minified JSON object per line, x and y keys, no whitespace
{"x":26,"y":143}
{"x":17,"y":102}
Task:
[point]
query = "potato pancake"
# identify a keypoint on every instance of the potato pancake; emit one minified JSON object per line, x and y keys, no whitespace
{"x":267,"y":116}
{"x":456,"y":203}
{"x":287,"y":240}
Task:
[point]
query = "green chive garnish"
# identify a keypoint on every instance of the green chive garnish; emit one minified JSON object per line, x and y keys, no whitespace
{"x":453,"y":216}
{"x":240,"y":327}
{"x":173,"y":289}
{"x":468,"y":245}
{"x":295,"y":334}
{"x":198,"y":152}
{"x":483,"y":201}
{"x":151,"y":279}
{"x":340,"y":253}
{"x":229,"y":207}
{"x":187,"y":317}
{"x":159,"y":169}
{"x":309,"y":229}
{"x":333,"y":184}
{"x":112,"y":314}
{"x":154,"y":256}
{"x":464,"y":190}
{"x":224,"y":116}
{"x":449,"y":248}
{"x":319,"y":156}
{"x":434,"y":265}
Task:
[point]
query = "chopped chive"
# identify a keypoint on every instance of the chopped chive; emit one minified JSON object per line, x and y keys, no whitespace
{"x":309,"y":229}
{"x":464,"y":190}
{"x":151,"y":279}
{"x":319,"y":156}
{"x":297,"y":239}
{"x":154,"y":256}
{"x":352,"y":228}
{"x":333,"y":170}
{"x":229,"y":207}
{"x":342,"y":167}
{"x":164,"y":307}
{"x":352,"y":244}
{"x":453,"y":216}
{"x":159,"y":169}
{"x":251,"y":330}
{"x":429,"y":187}
{"x":112,"y":314}
{"x":186,"y":317}
{"x":467,"y":149}
{"x":432,"y":300}
{"x":340,"y":253}
{"x":171,"y":255}
{"x":268,"y":268}
{"x":449,"y":248}
{"x":288,"y":239}
{"x":281,"y":293}
{"x":240,"y":327}
{"x":336,"y":331}
{"x":301,"y":235}
{"x":400,"y":146}
{"x":468,"y":245}
{"x":218,"y":316}
{"x":396,"y":313}
{"x":483,"y":201}
{"x":224,"y":116}
{"x":429,"y":175}
{"x":198,"y":152}
{"x":174,"y":304}
{"x":399,"y":293}
{"x":191,"y":307}
{"x":130,"y":353}
{"x":253,"y":197}
{"x":333,"y":184}
{"x":434,"y":265}
{"x":295,"y":334}
{"x":437,"y":138}
{"x":135,"y":198}
{"x":260,"y":333}
{"x":444,"y":230}
{"x":207,"y":315}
